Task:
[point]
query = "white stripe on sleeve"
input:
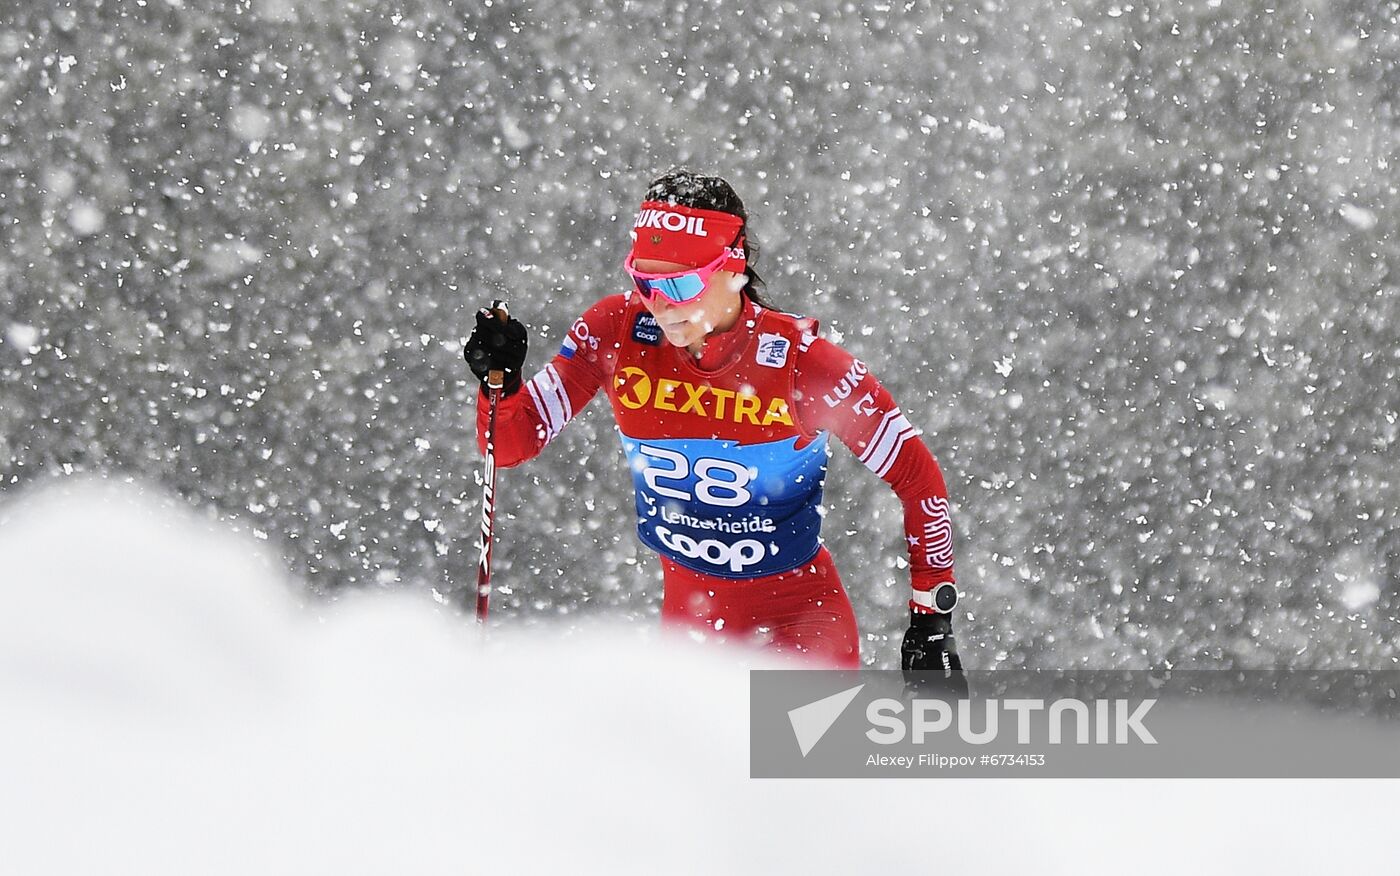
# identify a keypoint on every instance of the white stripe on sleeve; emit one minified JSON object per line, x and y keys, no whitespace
{"x":884,"y":448}
{"x":551,"y":401}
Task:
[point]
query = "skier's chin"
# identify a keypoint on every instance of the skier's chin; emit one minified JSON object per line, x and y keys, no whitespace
{"x":679,"y":338}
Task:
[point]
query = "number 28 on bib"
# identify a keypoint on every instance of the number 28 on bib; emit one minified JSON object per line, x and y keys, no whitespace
{"x":726,"y":509}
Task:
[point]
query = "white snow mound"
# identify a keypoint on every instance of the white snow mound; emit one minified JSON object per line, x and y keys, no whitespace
{"x":172,"y":705}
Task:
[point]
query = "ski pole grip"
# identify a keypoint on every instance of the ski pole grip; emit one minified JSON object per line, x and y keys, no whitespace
{"x":496,"y":379}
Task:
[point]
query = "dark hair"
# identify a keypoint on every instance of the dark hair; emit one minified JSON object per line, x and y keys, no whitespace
{"x":689,"y":189}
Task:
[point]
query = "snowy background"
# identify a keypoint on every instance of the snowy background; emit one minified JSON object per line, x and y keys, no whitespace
{"x":1128,"y":266}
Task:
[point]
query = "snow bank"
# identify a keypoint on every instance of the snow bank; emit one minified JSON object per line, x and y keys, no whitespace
{"x":171,"y":705}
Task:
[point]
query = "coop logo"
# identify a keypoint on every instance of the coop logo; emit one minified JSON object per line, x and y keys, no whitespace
{"x":736,"y":556}
{"x":646,"y":331}
{"x":668,"y":221}
{"x":636,"y":390}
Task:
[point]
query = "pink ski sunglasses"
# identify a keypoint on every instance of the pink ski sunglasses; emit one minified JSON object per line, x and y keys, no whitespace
{"x":679,"y":288}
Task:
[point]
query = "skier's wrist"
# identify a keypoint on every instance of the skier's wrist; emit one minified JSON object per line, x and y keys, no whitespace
{"x":940,"y":598}
{"x":931,"y":622}
{"x":929,"y":653}
{"x":510,"y":387}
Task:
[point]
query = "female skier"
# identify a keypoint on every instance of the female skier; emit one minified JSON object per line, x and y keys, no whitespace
{"x":725,"y":406}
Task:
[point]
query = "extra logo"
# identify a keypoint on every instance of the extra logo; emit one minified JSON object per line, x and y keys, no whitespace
{"x":645,"y":330}
{"x":636,"y":390}
{"x":668,"y":221}
{"x":773,"y":350}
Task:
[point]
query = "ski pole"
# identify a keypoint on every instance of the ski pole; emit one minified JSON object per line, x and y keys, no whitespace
{"x":495,"y":381}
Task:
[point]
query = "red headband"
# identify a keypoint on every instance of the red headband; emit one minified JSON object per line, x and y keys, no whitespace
{"x":688,"y":236}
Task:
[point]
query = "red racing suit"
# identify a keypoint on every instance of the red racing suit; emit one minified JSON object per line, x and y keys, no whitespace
{"x":728,"y":455}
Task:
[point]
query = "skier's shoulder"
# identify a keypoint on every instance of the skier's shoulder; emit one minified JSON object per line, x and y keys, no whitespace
{"x":606,"y":311}
{"x":813,"y":350}
{"x":598,"y":332}
{"x":823,"y":362}
{"x":602,"y":320}
{"x":804,"y":326}
{"x":798,"y":331}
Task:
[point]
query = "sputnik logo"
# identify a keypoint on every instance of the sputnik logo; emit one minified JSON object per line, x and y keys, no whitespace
{"x":810,"y":722}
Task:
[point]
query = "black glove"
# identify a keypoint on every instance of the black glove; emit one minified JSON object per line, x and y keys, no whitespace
{"x":929,"y":656}
{"x":497,"y":345}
